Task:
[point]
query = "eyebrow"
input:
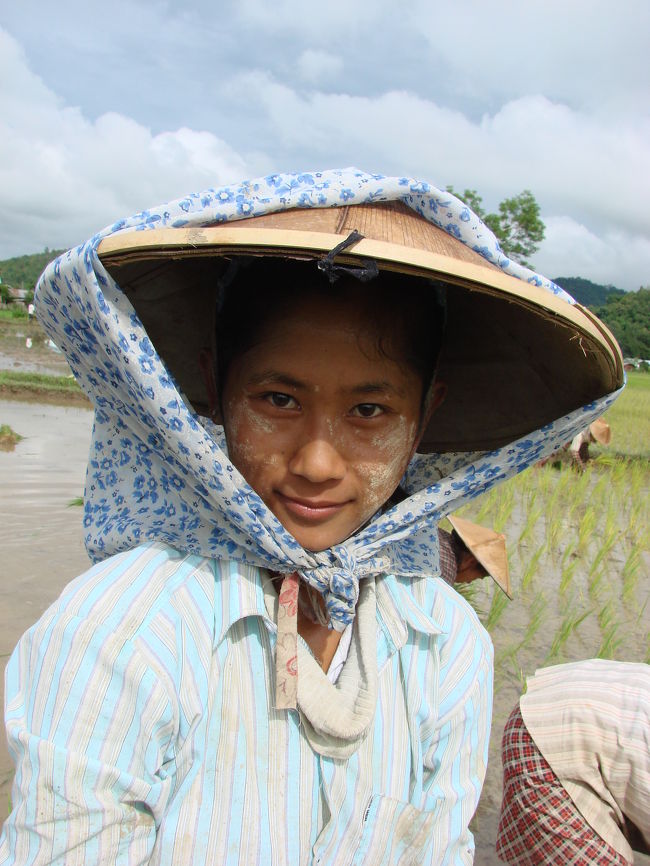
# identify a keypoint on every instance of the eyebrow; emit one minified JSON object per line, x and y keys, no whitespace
{"x":382,"y":387}
{"x":276,"y":377}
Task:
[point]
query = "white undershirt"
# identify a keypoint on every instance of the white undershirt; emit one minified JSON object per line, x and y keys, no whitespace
{"x":341,"y":654}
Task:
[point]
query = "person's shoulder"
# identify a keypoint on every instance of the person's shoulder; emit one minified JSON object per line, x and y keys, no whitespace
{"x":124,"y":592}
{"x":444,"y":600}
{"x":614,"y":681}
{"x":452,"y":619}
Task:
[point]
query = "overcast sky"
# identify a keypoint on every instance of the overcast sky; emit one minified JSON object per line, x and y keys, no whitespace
{"x":109,"y":108}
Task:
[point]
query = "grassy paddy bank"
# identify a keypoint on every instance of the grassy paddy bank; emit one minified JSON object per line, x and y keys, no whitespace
{"x":40,"y":387}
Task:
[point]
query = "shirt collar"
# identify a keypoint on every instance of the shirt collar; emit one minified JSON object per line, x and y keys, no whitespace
{"x":242,"y":590}
{"x":246,"y":591}
{"x":398,"y":611}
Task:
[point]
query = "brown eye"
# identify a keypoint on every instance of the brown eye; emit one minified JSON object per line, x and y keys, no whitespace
{"x":367,"y":410}
{"x":280,"y":400}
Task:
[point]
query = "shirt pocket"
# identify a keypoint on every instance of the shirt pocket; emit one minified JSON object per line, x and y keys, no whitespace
{"x":394,"y":834}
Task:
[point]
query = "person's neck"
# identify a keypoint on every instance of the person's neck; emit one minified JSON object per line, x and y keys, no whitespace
{"x":320,"y":639}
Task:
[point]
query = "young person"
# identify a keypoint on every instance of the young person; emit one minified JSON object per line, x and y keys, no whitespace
{"x":264,"y":665}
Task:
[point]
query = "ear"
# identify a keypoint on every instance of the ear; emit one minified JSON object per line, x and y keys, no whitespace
{"x":208,"y":374}
{"x":434,"y":400}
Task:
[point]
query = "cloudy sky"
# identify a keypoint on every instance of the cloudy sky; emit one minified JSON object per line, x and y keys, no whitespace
{"x":108,"y":108}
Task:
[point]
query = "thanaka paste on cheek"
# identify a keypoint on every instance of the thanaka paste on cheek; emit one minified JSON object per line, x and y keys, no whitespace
{"x":382,"y":478}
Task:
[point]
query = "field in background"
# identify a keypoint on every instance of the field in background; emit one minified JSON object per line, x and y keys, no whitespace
{"x":579,"y":558}
{"x":578,"y":551}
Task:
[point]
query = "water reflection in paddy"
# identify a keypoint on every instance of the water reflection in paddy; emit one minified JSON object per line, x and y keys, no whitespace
{"x":41,"y":541}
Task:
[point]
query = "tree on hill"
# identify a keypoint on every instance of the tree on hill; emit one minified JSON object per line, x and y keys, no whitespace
{"x":518,"y":225}
{"x":22,"y":272}
{"x":587,"y":293}
{"x":628,"y":317}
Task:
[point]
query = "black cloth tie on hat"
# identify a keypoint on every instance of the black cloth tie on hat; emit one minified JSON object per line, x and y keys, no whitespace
{"x":367,"y":271}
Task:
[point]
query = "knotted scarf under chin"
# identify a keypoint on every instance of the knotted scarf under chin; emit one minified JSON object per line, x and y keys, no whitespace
{"x":338,"y":582}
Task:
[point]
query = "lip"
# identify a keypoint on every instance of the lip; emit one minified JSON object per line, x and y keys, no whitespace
{"x":311,"y":509}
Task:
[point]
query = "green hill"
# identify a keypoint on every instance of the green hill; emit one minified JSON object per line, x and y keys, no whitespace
{"x":628,"y":318}
{"x":22,"y":272}
{"x":626,"y":314}
{"x":587,"y":293}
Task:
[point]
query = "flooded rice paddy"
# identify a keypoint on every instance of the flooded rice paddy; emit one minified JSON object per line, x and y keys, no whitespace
{"x":41,"y":546}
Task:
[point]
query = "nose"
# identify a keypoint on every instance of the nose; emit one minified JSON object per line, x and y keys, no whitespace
{"x":317,"y":460}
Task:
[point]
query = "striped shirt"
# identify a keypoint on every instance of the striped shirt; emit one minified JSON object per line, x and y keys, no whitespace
{"x":591,"y":721}
{"x":140,"y":717}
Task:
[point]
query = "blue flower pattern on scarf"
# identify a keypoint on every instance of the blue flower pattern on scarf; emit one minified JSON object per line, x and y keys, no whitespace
{"x":158,"y":472}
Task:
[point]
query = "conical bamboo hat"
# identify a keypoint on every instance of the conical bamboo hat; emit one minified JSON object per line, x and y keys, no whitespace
{"x":601,"y":431}
{"x":515,"y":356}
{"x":489,"y":547}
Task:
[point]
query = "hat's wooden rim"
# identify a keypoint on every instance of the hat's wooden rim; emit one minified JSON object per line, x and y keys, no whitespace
{"x":227,"y":239}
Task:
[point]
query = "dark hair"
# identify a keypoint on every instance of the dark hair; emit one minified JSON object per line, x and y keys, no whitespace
{"x":405,"y":318}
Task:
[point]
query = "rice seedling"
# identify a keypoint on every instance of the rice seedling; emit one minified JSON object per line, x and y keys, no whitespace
{"x":504,"y":509}
{"x":497,"y":607}
{"x":532,"y":517}
{"x":610,"y":628}
{"x":606,"y":545}
{"x":567,"y":627}
{"x":555,"y":502}
{"x":635,"y":479}
{"x":618,"y":471}
{"x":555,"y":532}
{"x":595,"y":584}
{"x":637,"y":520}
{"x":471,"y":592}
{"x":567,"y":576}
{"x":631,"y":570}
{"x":531,"y":567}
{"x":487,"y":504}
{"x":569,"y":551}
{"x":537,"y":611}
{"x":586,"y":528}
{"x":612,"y":527}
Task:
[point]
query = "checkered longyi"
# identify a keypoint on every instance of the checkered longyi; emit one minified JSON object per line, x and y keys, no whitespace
{"x":540,"y":825}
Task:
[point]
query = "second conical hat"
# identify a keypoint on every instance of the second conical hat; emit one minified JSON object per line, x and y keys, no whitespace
{"x":489,"y":547}
{"x":601,"y":431}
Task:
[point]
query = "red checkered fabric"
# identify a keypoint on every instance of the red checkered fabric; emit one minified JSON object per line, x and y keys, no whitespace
{"x":451,"y":551}
{"x":540,"y":825}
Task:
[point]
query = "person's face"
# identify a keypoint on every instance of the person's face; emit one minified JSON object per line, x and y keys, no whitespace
{"x":318,"y":423}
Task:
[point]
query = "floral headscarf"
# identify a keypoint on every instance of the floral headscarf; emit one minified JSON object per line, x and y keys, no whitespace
{"x":158,"y":471}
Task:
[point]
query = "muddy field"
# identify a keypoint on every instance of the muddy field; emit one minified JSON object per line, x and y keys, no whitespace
{"x":24,"y":347}
{"x":40,"y":539}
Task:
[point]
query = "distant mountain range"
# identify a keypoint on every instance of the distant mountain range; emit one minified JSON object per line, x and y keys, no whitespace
{"x":627,"y":314}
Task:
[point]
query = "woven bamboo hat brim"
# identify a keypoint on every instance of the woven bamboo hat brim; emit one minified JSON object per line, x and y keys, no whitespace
{"x":515,"y":356}
{"x":489,"y":548}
